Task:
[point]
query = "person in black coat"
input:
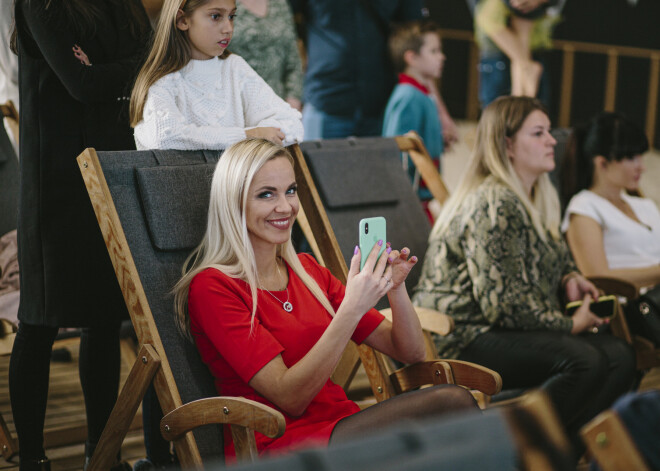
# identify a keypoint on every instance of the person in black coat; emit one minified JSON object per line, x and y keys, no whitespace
{"x":77,"y":63}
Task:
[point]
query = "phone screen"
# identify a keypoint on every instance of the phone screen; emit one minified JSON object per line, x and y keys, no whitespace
{"x":371,"y":231}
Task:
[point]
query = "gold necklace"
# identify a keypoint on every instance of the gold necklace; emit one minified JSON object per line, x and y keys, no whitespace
{"x":286,"y":305}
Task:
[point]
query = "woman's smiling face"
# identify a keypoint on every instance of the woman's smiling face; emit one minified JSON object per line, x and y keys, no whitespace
{"x":272,"y":204}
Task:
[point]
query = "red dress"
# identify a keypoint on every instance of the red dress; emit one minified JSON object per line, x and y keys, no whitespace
{"x":220,"y":309}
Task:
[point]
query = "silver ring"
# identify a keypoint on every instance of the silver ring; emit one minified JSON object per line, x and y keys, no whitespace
{"x":594,"y":329}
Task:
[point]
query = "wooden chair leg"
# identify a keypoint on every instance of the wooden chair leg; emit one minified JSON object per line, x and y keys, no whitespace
{"x":145,"y":367}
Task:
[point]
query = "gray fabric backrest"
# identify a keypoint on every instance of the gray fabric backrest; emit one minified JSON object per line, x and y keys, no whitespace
{"x":162,"y":199}
{"x":8,"y":184}
{"x":363,"y":177}
{"x":463,"y":442}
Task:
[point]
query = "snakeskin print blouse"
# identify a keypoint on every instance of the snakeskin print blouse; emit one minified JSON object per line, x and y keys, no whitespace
{"x":491,"y":270}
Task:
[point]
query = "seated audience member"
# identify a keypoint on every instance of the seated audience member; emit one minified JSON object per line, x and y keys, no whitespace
{"x":192,"y":93}
{"x":272,"y":325}
{"x":610,"y":232}
{"x":496,"y":264}
{"x":267,"y":40}
{"x":417,"y":56}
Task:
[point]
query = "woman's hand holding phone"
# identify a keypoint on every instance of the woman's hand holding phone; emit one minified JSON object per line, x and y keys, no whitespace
{"x":584,"y":319}
{"x":365,"y":287}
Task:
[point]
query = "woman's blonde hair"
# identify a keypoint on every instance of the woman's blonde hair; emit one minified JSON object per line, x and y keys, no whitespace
{"x":500,"y":120}
{"x":226,"y":243}
{"x":170,"y":51}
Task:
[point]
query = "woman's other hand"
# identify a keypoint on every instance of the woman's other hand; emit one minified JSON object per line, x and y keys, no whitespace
{"x":584,"y":319}
{"x":80,"y":55}
{"x":365,"y":287}
{"x":401,"y":264}
{"x":577,"y":286}
{"x":274,"y":135}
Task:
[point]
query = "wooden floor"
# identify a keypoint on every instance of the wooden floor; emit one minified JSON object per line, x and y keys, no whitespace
{"x":65,"y":426}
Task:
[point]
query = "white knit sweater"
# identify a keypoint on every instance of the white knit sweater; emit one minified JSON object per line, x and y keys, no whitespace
{"x":209,"y":104}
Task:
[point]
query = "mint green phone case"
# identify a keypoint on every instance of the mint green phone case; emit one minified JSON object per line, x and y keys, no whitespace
{"x":371,"y":231}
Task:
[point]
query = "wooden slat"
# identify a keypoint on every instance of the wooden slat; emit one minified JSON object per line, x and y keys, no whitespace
{"x":568,"y":66}
{"x":139,"y":379}
{"x":611,"y":79}
{"x":652,"y":110}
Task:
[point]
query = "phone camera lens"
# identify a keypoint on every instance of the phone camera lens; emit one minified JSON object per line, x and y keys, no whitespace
{"x":366,"y":228}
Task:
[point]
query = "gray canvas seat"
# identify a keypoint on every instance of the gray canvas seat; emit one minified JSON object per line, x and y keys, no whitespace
{"x":363,"y":177}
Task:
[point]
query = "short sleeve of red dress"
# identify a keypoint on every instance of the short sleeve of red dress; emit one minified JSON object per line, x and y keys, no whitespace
{"x":221,"y":308}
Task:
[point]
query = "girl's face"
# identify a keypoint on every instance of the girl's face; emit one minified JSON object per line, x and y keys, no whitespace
{"x":272,"y":204}
{"x":532,"y":149}
{"x":624,"y":173}
{"x":209,"y":28}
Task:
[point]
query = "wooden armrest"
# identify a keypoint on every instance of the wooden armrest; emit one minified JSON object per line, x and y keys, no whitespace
{"x":458,"y":372}
{"x":431,"y":320}
{"x":222,"y":410}
{"x":618,"y":286}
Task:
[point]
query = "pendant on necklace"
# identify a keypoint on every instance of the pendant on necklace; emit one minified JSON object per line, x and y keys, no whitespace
{"x":288,"y":307}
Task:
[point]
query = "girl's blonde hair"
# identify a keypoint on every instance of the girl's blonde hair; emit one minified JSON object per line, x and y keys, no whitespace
{"x":226,"y":244}
{"x":169,"y":52}
{"x":502,"y":119}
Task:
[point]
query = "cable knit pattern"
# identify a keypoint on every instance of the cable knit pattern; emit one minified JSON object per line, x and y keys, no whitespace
{"x":209,"y":104}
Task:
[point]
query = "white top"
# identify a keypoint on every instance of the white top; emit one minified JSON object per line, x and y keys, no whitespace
{"x":628,"y":244}
{"x":209,"y":104}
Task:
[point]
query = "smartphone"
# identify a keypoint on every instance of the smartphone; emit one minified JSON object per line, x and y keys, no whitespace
{"x":604,"y":308}
{"x":371,"y":231}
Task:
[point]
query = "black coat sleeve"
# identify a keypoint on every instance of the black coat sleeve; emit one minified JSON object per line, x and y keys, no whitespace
{"x":104,"y":81}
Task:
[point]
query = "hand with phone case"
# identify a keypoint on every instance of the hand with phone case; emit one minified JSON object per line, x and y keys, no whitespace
{"x":372,"y":230}
{"x":583,"y":319}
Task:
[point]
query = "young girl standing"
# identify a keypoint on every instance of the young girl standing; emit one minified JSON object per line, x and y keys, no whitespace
{"x":192,"y":93}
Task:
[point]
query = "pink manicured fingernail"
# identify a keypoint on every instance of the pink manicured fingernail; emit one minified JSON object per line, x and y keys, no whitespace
{"x":380,"y":243}
{"x":389,"y":259}
{"x":356,"y":250}
{"x":389,"y":249}
{"x":414,"y":259}
{"x":404,"y":251}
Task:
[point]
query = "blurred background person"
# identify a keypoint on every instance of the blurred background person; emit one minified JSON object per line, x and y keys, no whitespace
{"x":266,"y":38}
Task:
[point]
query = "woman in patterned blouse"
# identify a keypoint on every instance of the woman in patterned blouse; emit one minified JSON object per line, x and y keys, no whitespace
{"x":499,"y":267}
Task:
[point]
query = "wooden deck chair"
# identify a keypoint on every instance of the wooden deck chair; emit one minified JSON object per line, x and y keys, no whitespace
{"x":151,"y":207}
{"x":340,"y":182}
